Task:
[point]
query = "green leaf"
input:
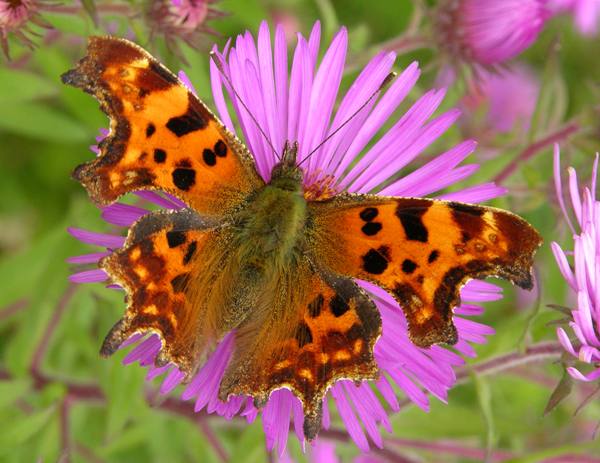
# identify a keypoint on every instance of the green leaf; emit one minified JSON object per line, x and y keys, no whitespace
{"x":553,"y":97}
{"x":39,"y":275}
{"x":12,"y":390}
{"x":90,"y":7}
{"x":250,"y":446}
{"x":561,"y":392}
{"x":128,"y":438}
{"x":124,"y":389}
{"x":549,"y":453}
{"x":24,"y":428}
{"x":17,"y":85}
{"x":561,"y":308}
{"x":42,"y":122}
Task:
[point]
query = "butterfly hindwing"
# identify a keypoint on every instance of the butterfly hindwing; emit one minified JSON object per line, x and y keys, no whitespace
{"x":162,"y":253}
{"x":323,"y":328}
{"x":422,"y":251}
{"x":161,"y":136}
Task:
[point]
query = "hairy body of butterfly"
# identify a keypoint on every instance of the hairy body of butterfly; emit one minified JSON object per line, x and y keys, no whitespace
{"x":261,"y":259}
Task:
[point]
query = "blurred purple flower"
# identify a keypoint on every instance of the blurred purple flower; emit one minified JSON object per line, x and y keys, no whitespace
{"x":300,"y":107}
{"x":583,"y":274}
{"x":507,"y":98}
{"x":586,"y":13}
{"x":181,"y":19}
{"x":189,"y":14}
{"x":15,"y":15}
{"x":488,"y":32}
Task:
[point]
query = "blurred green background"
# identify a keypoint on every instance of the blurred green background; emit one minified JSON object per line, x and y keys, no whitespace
{"x":60,"y":402}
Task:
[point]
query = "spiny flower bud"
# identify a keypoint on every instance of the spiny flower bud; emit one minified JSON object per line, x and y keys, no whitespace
{"x":14,"y":18}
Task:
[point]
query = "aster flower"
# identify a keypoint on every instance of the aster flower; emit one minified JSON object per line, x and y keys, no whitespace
{"x":488,"y":32}
{"x":181,"y":19}
{"x":299,"y":106}
{"x":14,"y":18}
{"x":502,"y":102}
{"x":583,"y":274}
{"x":586,"y":13}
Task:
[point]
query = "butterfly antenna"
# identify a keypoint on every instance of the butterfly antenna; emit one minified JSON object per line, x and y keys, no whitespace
{"x":389,"y":78}
{"x":219,"y":65}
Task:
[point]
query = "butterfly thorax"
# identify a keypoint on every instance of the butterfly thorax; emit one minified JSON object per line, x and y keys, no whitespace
{"x":272,"y":224}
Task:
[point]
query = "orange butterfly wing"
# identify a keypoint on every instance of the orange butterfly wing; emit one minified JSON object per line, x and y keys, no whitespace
{"x":319,"y":328}
{"x":161,"y":136}
{"x":158,"y":261}
{"x":422,"y":251}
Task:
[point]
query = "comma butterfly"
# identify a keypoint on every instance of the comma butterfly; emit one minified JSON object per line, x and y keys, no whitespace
{"x":266,"y":259}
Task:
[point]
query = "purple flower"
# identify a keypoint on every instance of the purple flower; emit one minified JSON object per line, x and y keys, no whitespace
{"x":508,"y":99}
{"x":14,"y":18}
{"x":583,"y":273}
{"x":586,"y":13}
{"x":299,"y":106}
{"x":183,"y":19}
{"x":13,"y":14}
{"x":189,"y":14}
{"x":488,"y":32}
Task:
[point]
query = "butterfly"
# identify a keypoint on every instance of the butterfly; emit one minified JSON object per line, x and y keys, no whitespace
{"x":265,"y":259}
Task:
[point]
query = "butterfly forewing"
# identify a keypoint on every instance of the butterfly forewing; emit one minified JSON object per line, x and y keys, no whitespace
{"x":161,"y":136}
{"x":422,"y":251}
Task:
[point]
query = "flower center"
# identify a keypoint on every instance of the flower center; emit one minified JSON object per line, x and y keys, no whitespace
{"x":319,"y":188}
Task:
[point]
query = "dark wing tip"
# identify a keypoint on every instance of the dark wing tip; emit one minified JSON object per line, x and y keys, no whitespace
{"x":113,"y":339}
{"x":312,"y":424}
{"x":447,"y":335}
{"x":71,"y":77}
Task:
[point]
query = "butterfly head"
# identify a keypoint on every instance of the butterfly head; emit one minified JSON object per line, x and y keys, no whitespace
{"x":286,"y":174}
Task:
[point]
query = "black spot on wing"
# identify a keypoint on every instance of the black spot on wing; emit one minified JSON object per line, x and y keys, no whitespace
{"x":408,"y":266}
{"x":371,"y":228}
{"x":469,"y":219}
{"x":180,"y":282}
{"x":184,"y":178}
{"x":375,"y":261}
{"x":160,"y":156}
{"x":410,"y":212}
{"x":470,"y":209}
{"x":303,"y":335}
{"x":209,"y":157}
{"x":433,"y":256}
{"x":355,"y":332}
{"x":191,"y":250}
{"x":315,"y":307}
{"x":220,"y":149}
{"x":175,"y":238}
{"x":368,"y":214}
{"x":191,"y":121}
{"x":150,"y":129}
{"x":164,"y":73}
{"x":338,"y":306}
